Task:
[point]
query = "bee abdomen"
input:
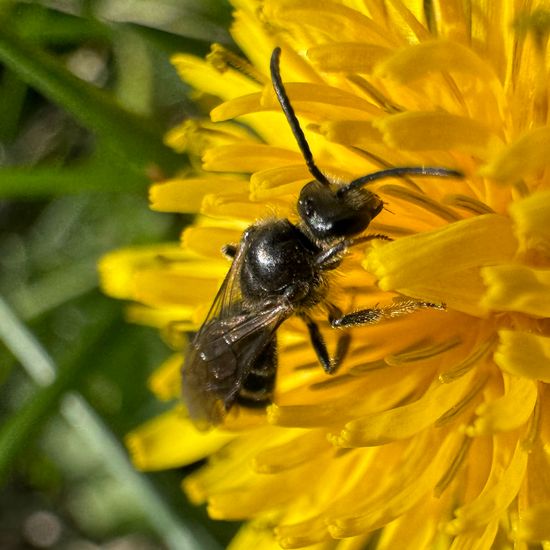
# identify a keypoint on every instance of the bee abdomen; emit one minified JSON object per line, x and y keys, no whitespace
{"x":257,"y":388}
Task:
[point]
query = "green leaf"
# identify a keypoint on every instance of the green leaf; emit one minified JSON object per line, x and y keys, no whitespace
{"x":135,"y":139}
{"x":41,"y":24}
{"x":12,"y":91}
{"x":47,"y":181}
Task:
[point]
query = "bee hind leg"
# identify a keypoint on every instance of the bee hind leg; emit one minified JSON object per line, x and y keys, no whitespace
{"x":329,"y":364}
{"x":371,"y":316}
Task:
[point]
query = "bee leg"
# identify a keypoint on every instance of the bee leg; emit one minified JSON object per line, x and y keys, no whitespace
{"x":229,"y":251}
{"x":330,"y":258}
{"x":318,"y":343}
{"x":330,"y":365}
{"x":371,"y":316}
{"x":344,"y":338}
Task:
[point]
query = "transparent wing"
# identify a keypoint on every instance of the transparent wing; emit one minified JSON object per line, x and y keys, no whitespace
{"x":221,"y":356}
{"x":228,"y":300}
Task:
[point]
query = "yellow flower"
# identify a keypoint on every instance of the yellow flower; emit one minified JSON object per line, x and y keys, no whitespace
{"x":435,"y":433}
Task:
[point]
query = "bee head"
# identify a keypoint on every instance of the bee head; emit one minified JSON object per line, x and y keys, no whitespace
{"x":330,"y":211}
{"x":330,"y":214}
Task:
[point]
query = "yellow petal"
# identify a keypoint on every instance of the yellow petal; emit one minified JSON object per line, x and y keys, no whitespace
{"x":332,"y":18}
{"x":508,"y":412}
{"x":360,"y":133}
{"x":174,"y":289}
{"x":297,"y":451}
{"x":239,"y":106}
{"x":422,"y":475}
{"x":531,"y":217}
{"x":234,"y":207}
{"x":117,"y":269}
{"x":196,"y":135}
{"x":247,"y":158}
{"x":255,"y":41}
{"x":522,"y":158}
{"x":495,"y":498}
{"x":452,"y":20}
{"x":267,"y":184}
{"x":533,"y":524}
{"x":135,"y":274}
{"x":263,"y":493}
{"x":165,"y":382}
{"x":328,"y":101}
{"x":171,"y":441}
{"x":186,"y":195}
{"x":524,"y":354}
{"x":302,"y":415}
{"x":517,"y":288}
{"x":405,"y":421}
{"x":347,"y":57}
{"x":162,"y":318}
{"x":256,"y":534}
{"x":412,"y":530}
{"x":201,"y":75}
{"x":316,"y":101}
{"x":231,"y":469}
{"x":208,"y":241}
{"x":305,"y":533}
{"x":443,"y":265}
{"x":415,"y":62}
{"x":477,"y":539}
{"x":437,"y":131}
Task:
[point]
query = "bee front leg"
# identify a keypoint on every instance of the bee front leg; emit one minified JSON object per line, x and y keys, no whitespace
{"x":331,"y":257}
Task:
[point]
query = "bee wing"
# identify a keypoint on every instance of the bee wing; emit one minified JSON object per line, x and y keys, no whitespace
{"x":221,"y":356}
{"x":228,"y":300}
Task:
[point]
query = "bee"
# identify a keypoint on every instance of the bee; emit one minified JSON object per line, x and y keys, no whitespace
{"x":279,"y":269}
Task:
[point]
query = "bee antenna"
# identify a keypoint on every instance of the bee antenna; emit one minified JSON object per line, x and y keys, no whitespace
{"x":399,"y":172}
{"x":292,"y":118}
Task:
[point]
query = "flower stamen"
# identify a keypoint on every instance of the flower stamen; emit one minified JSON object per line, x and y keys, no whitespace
{"x":453,"y":468}
{"x":421,"y":200}
{"x":459,"y":408}
{"x":221,"y":59}
{"x":463,"y":367}
{"x":422,"y":353}
{"x":470,"y":204}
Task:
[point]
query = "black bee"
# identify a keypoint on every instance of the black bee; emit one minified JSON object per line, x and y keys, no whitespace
{"x":279,"y":270}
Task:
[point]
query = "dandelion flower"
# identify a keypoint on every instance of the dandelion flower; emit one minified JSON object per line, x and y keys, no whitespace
{"x":435,"y":432}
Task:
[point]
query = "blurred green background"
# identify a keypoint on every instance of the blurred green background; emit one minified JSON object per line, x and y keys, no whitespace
{"x":86,"y":93}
